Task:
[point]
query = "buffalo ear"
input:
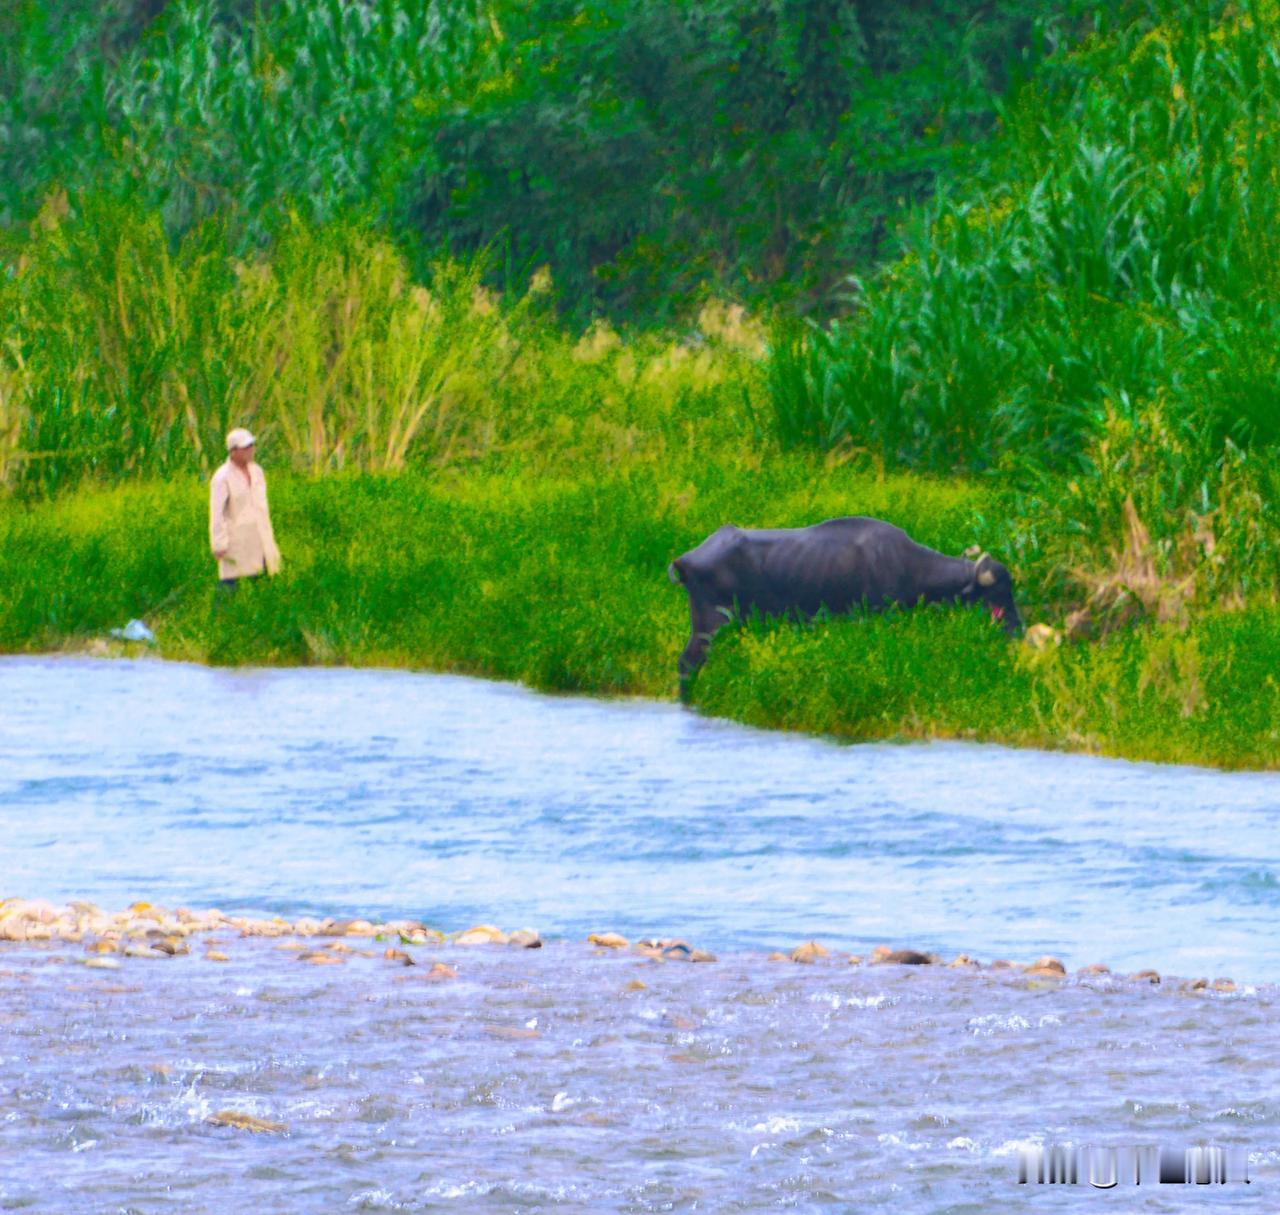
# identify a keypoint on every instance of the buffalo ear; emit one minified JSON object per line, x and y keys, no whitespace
{"x":985,"y":575}
{"x":674,"y":573}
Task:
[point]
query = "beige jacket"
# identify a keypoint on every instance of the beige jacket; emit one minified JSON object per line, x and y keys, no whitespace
{"x":240,"y":523}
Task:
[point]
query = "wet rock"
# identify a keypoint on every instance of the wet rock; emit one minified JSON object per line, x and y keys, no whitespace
{"x":1094,"y":968}
{"x":482,"y":934}
{"x":682,"y":951}
{"x":421,"y":936}
{"x":809,"y":952}
{"x":441,"y":971}
{"x":635,"y":985}
{"x":398,"y":955}
{"x":143,"y":951}
{"x":292,"y":947}
{"x":525,"y":938}
{"x":99,"y":963}
{"x":1003,"y":964}
{"x":1196,"y":985}
{"x":778,"y":957}
{"x":1145,"y":976}
{"x":883,"y":955}
{"x":1224,"y":985}
{"x":1047,"y":968}
{"x":608,"y":940}
{"x":173,"y":946}
{"x":854,"y":959}
{"x":215,"y":955}
{"x":245,"y":1122}
{"x":318,"y":957}
{"x":337,"y":947}
{"x":101,"y":947}
{"x":962,"y":961}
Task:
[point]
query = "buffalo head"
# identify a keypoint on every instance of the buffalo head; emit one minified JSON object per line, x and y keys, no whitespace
{"x":992,"y":585}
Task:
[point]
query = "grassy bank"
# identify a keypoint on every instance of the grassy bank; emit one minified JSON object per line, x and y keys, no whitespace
{"x":561,"y":584}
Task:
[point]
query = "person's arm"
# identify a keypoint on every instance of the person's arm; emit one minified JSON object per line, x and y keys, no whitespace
{"x":219,"y":537}
{"x":271,"y":554}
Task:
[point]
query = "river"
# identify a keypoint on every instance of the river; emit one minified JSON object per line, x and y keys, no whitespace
{"x":562,"y":1079}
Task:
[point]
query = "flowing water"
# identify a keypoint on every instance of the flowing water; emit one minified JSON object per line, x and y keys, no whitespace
{"x":560,"y":1079}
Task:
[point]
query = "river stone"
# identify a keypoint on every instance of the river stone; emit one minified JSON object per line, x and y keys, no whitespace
{"x":608,"y":940}
{"x":899,"y":957}
{"x":1224,"y":985}
{"x":1145,"y":976}
{"x":398,"y":955}
{"x":1094,"y":968}
{"x":317,"y":958}
{"x":441,"y":971}
{"x":245,"y":1122}
{"x":143,"y":951}
{"x":809,"y":952}
{"x":215,"y":955}
{"x":1048,"y":968}
{"x":482,"y":934}
{"x":962,"y":961}
{"x":525,"y":938}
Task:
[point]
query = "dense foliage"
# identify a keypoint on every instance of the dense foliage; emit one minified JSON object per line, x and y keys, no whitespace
{"x":646,"y":151}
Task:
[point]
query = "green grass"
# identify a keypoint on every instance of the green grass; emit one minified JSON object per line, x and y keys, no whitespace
{"x":561,"y":584}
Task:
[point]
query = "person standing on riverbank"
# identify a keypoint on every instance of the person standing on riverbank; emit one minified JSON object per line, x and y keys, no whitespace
{"x":240,"y":532}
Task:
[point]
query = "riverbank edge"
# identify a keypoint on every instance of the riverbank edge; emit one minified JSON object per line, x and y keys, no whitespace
{"x":560,"y":586}
{"x":147,"y":932}
{"x":901,"y":732}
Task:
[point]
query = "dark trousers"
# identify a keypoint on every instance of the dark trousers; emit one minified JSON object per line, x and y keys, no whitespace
{"x":227,"y":586}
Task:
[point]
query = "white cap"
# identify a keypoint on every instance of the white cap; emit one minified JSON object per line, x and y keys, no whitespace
{"x":239,"y":438}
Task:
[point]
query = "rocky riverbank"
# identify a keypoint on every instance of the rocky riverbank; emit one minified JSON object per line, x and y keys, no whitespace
{"x":109,"y":940}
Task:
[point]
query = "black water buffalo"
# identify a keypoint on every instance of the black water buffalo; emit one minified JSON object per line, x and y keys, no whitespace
{"x":840,"y":565}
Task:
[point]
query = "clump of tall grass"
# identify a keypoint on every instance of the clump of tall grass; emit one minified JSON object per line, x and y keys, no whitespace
{"x":121,"y":353}
{"x":1099,"y":312}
